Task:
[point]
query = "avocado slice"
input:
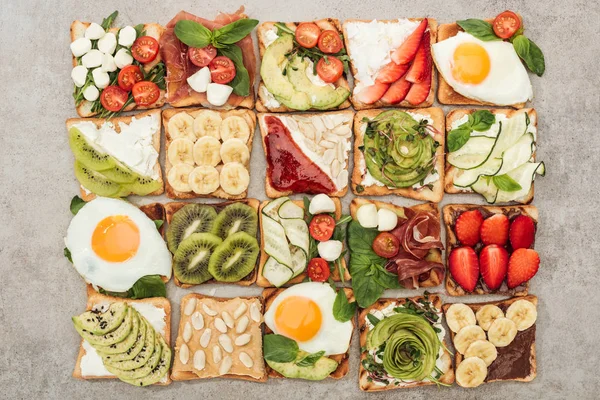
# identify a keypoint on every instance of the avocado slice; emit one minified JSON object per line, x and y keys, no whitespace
{"x":142,"y":370}
{"x":319,"y":371}
{"x":116,"y":336}
{"x":127,"y":343}
{"x":159,"y":371}
{"x":131,"y":352}
{"x":98,"y":323}
{"x":141,"y":358}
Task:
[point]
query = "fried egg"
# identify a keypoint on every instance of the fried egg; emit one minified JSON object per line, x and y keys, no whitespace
{"x":304,"y":313}
{"x":113,"y":244}
{"x":486,"y":71}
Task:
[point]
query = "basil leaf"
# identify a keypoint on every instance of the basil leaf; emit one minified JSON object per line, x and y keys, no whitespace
{"x":67,"y":254}
{"x":235,"y":31}
{"x":343,"y":311}
{"x":241,"y":82}
{"x":373,"y":319}
{"x":193,"y":33}
{"x":482,"y":120}
{"x":76,"y":204}
{"x":278,"y":348}
{"x":458,"y":137}
{"x":506,"y":183}
{"x":148,"y":286}
{"x":159,"y":223}
{"x":310,"y":359}
{"x":108,"y":21}
{"x":531,"y":54}
{"x":479,"y":28}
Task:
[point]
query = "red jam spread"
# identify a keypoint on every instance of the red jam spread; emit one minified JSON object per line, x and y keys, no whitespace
{"x":288,"y":168}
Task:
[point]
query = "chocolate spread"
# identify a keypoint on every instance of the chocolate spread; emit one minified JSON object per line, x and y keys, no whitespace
{"x":514,"y":360}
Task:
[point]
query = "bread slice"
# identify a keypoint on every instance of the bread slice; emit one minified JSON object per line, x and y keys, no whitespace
{"x":87,"y":196}
{"x":324,"y":24}
{"x":178,"y":372}
{"x":504,"y":304}
{"x":271,"y":294}
{"x":451,"y":213}
{"x":173,"y":207}
{"x":155,"y":30}
{"x":434,"y":194}
{"x":95,"y":298}
{"x":264,"y":131}
{"x":456,"y":115}
{"x":250,"y":118}
{"x":363,"y":329}
{"x":446,"y":94}
{"x":432,"y":26}
{"x":434,"y":255}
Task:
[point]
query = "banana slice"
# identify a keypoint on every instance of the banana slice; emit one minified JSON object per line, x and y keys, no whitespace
{"x":466,"y":336}
{"x":180,"y":151}
{"x":471,"y":372}
{"x":460,"y":315}
{"x":235,"y":150}
{"x":181,"y":126}
{"x":502,"y":332}
{"x":487,"y":314}
{"x":208,"y":123}
{"x":234,"y":178}
{"x":178,"y":177}
{"x":204,"y":179}
{"x":523,"y":313}
{"x":482,"y":349}
{"x":235,"y":127}
{"x":207,"y":151}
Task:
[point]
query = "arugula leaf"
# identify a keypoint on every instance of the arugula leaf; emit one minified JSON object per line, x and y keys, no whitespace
{"x":76,"y":204}
{"x":458,"y":137}
{"x":139,"y":30}
{"x":108,"y":21}
{"x":193,"y":33}
{"x":310,"y":359}
{"x":148,"y":286}
{"x":343,"y":310}
{"x":67,"y":254}
{"x":480,"y":120}
{"x":159,"y":223}
{"x":373,"y":319}
{"x":479,"y":28}
{"x":241,"y":82}
{"x":529,"y":52}
{"x":279,"y":348}
{"x":506,"y":183}
{"x":234,"y":32}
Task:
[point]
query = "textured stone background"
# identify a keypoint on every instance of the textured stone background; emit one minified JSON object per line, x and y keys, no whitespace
{"x":39,"y":291}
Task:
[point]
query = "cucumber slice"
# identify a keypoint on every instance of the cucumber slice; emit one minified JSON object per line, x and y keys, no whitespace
{"x":485,"y":187}
{"x":290,"y":210}
{"x":296,"y":231}
{"x":272,"y":208}
{"x":524,"y":175}
{"x":518,"y":154}
{"x":299,"y":261}
{"x":276,"y":244}
{"x":474,"y":153}
{"x":277,"y":274}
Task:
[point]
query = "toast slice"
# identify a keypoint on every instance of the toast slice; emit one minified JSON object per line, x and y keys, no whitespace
{"x":192,"y":303}
{"x":269,"y":296}
{"x":432,"y":26}
{"x":95,"y":298}
{"x":528,"y":370}
{"x":250,"y":118}
{"x":368,"y":385}
{"x":450,"y":214}
{"x":173,"y":207}
{"x":271,"y":191}
{"x":84,"y":109}
{"x":262,"y":99}
{"x":451,"y":171}
{"x":264,"y":282}
{"x":433,"y":193}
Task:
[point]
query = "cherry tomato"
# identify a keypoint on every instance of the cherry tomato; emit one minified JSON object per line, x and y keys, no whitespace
{"x":201,"y":57}
{"x":330,"y":70}
{"x":129,"y":76}
{"x":222,"y":70}
{"x":144,"y":49}
{"x":506,"y":24}
{"x":113,"y":98}
{"x":386,"y":245}
{"x":318,"y":270}
{"x":330,"y":42}
{"x":307,"y":34}
{"x":321,"y":227}
{"x":145,"y":93}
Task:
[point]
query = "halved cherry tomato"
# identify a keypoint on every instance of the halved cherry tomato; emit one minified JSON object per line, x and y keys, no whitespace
{"x":321,"y":227}
{"x":145,"y":93}
{"x":318,"y":270}
{"x":330,"y":42}
{"x":201,"y":57}
{"x":113,"y":98}
{"x":506,"y":24}
{"x":307,"y":34}
{"x":129,"y":76}
{"x":386,"y":245}
{"x":222,"y":70}
{"x":330,"y":70}
{"x":144,"y":49}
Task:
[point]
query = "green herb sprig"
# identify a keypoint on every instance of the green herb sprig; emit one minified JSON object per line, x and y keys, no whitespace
{"x":480,"y":121}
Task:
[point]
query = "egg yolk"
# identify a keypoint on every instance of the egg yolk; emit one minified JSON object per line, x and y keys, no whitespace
{"x":298,"y":318}
{"x":471,"y":63}
{"x":116,"y":238}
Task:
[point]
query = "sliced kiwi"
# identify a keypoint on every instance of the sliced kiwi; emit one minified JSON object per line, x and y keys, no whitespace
{"x":236,"y":217}
{"x":143,"y":185}
{"x":120,"y":173}
{"x":87,"y":154}
{"x":235,"y":258}
{"x":190,"y":263}
{"x":191,"y":218}
{"x":95,"y":181}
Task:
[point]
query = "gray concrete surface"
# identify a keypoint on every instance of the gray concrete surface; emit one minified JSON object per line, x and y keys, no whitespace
{"x":39,"y":291}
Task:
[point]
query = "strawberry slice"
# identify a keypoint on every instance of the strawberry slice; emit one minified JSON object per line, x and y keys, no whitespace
{"x":464,"y":267}
{"x":522,"y":232}
{"x":407,"y":50}
{"x":494,"y":230}
{"x":391,"y":72}
{"x":419,"y":92}
{"x":421,"y":66}
{"x":522,"y":266}
{"x":397,"y":91}
{"x":467,"y":227}
{"x":371,"y":94}
{"x":493,"y":263}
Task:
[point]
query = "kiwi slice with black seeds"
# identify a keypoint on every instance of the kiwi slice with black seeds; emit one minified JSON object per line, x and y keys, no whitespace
{"x":95,"y":181}
{"x":120,"y":173}
{"x":143,"y":185}
{"x":191,"y":218}
{"x":236,"y":217}
{"x":190,"y":263}
{"x":87,"y":154}
{"x":235,"y":258}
